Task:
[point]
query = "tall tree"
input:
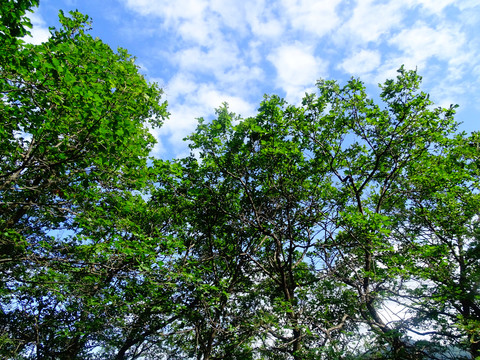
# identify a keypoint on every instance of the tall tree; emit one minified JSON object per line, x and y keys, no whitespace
{"x":371,"y":152}
{"x":440,"y":238}
{"x":74,"y":144}
{"x":287,"y":235}
{"x":329,"y":206}
{"x":260,"y":210}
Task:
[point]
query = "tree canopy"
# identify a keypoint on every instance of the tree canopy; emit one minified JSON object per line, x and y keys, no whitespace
{"x":74,"y":146}
{"x":345,"y":227}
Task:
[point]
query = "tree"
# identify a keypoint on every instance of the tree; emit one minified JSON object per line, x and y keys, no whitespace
{"x":332,"y":218}
{"x":13,"y":22}
{"x":74,"y":145}
{"x":287,"y":235}
{"x":69,"y":106}
{"x":374,"y":154}
{"x":256,"y":214}
{"x":441,"y":238}
{"x":281,"y":212}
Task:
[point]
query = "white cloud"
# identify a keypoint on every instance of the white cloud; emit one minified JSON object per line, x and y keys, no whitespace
{"x":183,"y":120}
{"x":232,"y":13}
{"x":218,"y":49}
{"x":255,"y":48}
{"x":435,"y":6}
{"x":297,"y":69}
{"x":432,"y":51}
{"x":224,"y":63}
{"x":362,"y":62}
{"x":190,"y":100}
{"x":423,"y":42}
{"x":264,"y":23}
{"x":39,"y":32}
{"x":242,"y":79}
{"x":212,"y":60}
{"x":189,"y":18}
{"x":314,"y":16}
{"x":209,"y":67}
{"x":268,"y":29}
{"x":170,"y":136}
{"x":194,"y":20}
{"x":180,"y":85}
{"x":171,"y":10}
{"x":371,"y":20}
{"x":197,"y":30}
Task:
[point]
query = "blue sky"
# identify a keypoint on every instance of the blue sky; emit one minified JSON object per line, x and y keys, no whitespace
{"x":205,"y":52}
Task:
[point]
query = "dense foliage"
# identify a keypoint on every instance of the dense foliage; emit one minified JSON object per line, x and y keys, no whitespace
{"x":336,"y":229}
{"x":74,"y":145}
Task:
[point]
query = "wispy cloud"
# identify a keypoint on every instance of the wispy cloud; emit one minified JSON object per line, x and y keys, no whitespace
{"x":297,"y":69}
{"x":312,"y":16}
{"x":210,"y":51}
{"x":422,"y":42}
{"x":435,"y":6}
{"x":361,"y":62}
{"x":39,"y":32}
{"x":371,"y":22}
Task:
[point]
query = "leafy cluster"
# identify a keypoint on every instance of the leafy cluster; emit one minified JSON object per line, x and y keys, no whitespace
{"x":336,"y":229}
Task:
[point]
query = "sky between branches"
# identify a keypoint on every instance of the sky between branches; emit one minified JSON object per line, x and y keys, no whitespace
{"x":205,"y":52}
